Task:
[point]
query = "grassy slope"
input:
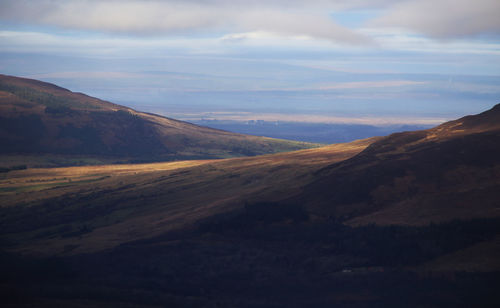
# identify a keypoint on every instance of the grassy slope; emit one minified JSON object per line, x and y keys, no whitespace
{"x":40,"y":118}
{"x":448,"y":172}
{"x":283,"y":230}
{"x":147,"y":199}
{"x":408,"y":178}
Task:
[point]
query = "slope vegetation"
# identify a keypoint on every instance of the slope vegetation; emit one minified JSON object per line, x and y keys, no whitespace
{"x":448,"y":172}
{"x":407,"y":220}
{"x":40,"y":118}
{"x":145,"y":199}
{"x":414,"y":178}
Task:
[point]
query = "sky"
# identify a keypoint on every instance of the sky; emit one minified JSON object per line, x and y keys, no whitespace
{"x":337,"y":61}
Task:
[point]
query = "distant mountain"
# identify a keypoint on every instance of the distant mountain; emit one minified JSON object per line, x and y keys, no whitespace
{"x":326,"y":133}
{"x":41,"y":118}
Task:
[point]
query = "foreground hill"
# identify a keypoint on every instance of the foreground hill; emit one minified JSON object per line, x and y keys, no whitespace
{"x":41,"y":118}
{"x":407,"y":220}
{"x":147,"y":199}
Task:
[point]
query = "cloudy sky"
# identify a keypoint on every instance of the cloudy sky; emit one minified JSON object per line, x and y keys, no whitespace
{"x":360,"y":61}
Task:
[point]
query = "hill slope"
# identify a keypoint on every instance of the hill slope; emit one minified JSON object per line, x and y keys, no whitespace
{"x":407,"y":220}
{"x":148,"y":199}
{"x":41,"y":118}
{"x":412,"y":178}
{"x":448,"y":172}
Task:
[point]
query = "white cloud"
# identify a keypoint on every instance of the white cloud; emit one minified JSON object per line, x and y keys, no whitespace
{"x":355,"y":85}
{"x":88,"y":75}
{"x":399,"y":39}
{"x":444,"y":18}
{"x":371,"y":84}
{"x":285,"y":18}
{"x":20,"y":41}
{"x":181,"y":17}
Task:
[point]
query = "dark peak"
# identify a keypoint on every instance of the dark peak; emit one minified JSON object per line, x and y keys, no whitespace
{"x":486,"y":121}
{"x":486,"y":116}
{"x":27,"y":82}
{"x":400,"y":144}
{"x":492,"y":115}
{"x":495,"y":108}
{"x":50,"y":95}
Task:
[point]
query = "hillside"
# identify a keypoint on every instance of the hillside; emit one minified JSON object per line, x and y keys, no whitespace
{"x":40,"y":119}
{"x":148,"y":198}
{"x":448,"y":172}
{"x":407,"y":220}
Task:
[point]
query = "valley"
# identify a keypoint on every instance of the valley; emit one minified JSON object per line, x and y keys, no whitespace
{"x":249,"y":154}
{"x":407,"y":220}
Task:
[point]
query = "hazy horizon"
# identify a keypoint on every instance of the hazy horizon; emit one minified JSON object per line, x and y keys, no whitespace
{"x":351,"y":62}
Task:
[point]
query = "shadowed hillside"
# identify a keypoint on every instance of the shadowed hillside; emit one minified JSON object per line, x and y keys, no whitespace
{"x":41,"y":118}
{"x":448,"y":172}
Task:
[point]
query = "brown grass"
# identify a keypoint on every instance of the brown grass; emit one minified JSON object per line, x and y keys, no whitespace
{"x":150,"y":199}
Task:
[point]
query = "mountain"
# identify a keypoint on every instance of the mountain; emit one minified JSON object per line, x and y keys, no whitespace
{"x":444,"y":173}
{"x":41,"y":118}
{"x":407,"y":220}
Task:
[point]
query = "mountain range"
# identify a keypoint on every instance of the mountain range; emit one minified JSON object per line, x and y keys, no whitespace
{"x":411,"y":219}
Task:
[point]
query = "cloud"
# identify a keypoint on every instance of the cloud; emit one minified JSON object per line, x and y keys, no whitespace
{"x":399,"y":39}
{"x":239,"y":21}
{"x":88,"y":75}
{"x":355,"y":85}
{"x":157,"y":17}
{"x":372,"y":84}
{"x":444,"y":19}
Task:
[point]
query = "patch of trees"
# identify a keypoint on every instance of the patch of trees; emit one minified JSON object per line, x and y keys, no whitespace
{"x":21,"y":134}
{"x":90,"y":141}
{"x":59,"y":110}
{"x":370,"y":245}
{"x":17,"y":167}
{"x":270,"y":261}
{"x":260,"y":213}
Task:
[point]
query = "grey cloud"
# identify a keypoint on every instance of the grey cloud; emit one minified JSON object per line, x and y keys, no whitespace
{"x":435,"y":18}
{"x":445,"y":18}
{"x":290,"y":18}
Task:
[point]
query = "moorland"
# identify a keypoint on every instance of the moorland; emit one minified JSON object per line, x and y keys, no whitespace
{"x":407,"y":220}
